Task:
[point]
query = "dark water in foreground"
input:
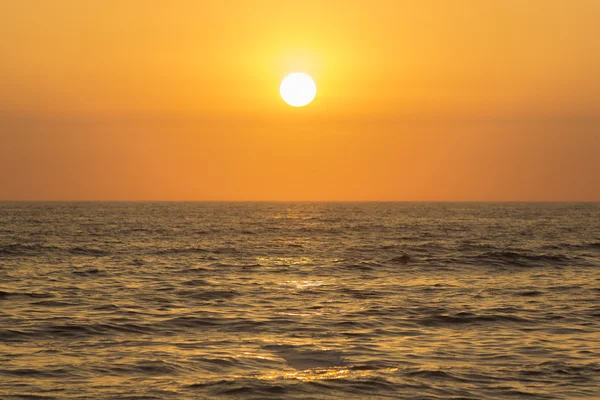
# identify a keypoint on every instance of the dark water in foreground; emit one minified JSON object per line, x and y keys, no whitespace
{"x":322,"y":301}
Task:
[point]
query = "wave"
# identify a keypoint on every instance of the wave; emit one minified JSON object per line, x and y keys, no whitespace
{"x":530,"y":293}
{"x":144,"y":367}
{"x":432,"y":374}
{"x":26,"y":250}
{"x":578,"y":246}
{"x":471,"y":318}
{"x":52,"y":303}
{"x":15,"y":335}
{"x":242,"y":387}
{"x":182,"y":250}
{"x":235,"y":324}
{"x":97,"y":329}
{"x":85,"y":251}
{"x":32,"y":373}
{"x":36,"y":295}
{"x":566,"y":370}
{"x":401,"y":259}
{"x":89,"y":272}
{"x":12,"y":250}
{"x":75,"y":331}
{"x":312,"y":383}
{"x":512,"y":258}
{"x":208,"y":295}
{"x":228,"y":265}
{"x":302,"y":358}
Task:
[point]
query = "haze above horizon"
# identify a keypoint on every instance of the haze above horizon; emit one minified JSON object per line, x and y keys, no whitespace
{"x":429,"y":101}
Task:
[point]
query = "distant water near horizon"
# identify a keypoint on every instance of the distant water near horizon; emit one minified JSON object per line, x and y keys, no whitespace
{"x":299,"y":300}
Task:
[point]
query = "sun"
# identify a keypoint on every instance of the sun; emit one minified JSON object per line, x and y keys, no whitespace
{"x":298,"y":89}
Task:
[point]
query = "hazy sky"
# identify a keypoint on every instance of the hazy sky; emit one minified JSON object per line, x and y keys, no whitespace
{"x":417,"y":100}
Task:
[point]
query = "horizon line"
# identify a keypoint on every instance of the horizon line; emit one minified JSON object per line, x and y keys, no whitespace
{"x":287,"y":201}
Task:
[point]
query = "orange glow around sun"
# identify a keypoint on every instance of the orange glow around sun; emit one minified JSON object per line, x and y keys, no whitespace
{"x":434,"y":101}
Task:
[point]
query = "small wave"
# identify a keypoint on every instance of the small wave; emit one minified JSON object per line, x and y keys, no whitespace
{"x":362,"y":266}
{"x":362,"y":249}
{"x":195,"y":270}
{"x":14,"y":335}
{"x":106,"y":307}
{"x":242,"y":387}
{"x":226,"y":265}
{"x":143,"y":231}
{"x":530,"y":293}
{"x":84,"y":251}
{"x":145,"y":367}
{"x":195,"y":283}
{"x":25,"y":250}
{"x":236,"y":324}
{"x":432,"y":374}
{"x":6,"y":295}
{"x":182,"y":250}
{"x":225,"y":250}
{"x":89,"y":272}
{"x":470,"y":318}
{"x":32,"y":373}
{"x":522,"y":259}
{"x":82,"y":330}
{"x":363,"y":293}
{"x":209,"y":294}
{"x":363,"y":386}
{"x":402,"y":259}
{"x":302,"y":358}
{"x":34,"y":250}
{"x":52,"y":303}
{"x":580,"y":246}
{"x":213,"y":362}
{"x":563,"y":369}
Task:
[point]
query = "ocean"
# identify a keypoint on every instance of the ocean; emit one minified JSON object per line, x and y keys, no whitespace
{"x":110,"y":300}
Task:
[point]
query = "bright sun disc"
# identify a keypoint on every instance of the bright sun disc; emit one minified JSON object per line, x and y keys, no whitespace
{"x":298,"y":89}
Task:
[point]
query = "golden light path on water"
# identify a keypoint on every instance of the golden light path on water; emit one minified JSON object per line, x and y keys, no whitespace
{"x":323,"y":374}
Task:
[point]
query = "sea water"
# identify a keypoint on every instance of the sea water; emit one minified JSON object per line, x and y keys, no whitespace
{"x":299,"y":300}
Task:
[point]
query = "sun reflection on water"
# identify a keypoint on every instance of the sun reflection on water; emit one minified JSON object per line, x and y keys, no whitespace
{"x":324,"y":374}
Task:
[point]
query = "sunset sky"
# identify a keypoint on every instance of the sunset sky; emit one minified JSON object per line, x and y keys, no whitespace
{"x":416,"y":100}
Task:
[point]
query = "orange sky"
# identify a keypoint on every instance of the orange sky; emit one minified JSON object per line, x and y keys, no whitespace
{"x":179,"y":100}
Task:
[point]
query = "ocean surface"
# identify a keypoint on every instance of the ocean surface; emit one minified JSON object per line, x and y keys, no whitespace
{"x":299,"y":301}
